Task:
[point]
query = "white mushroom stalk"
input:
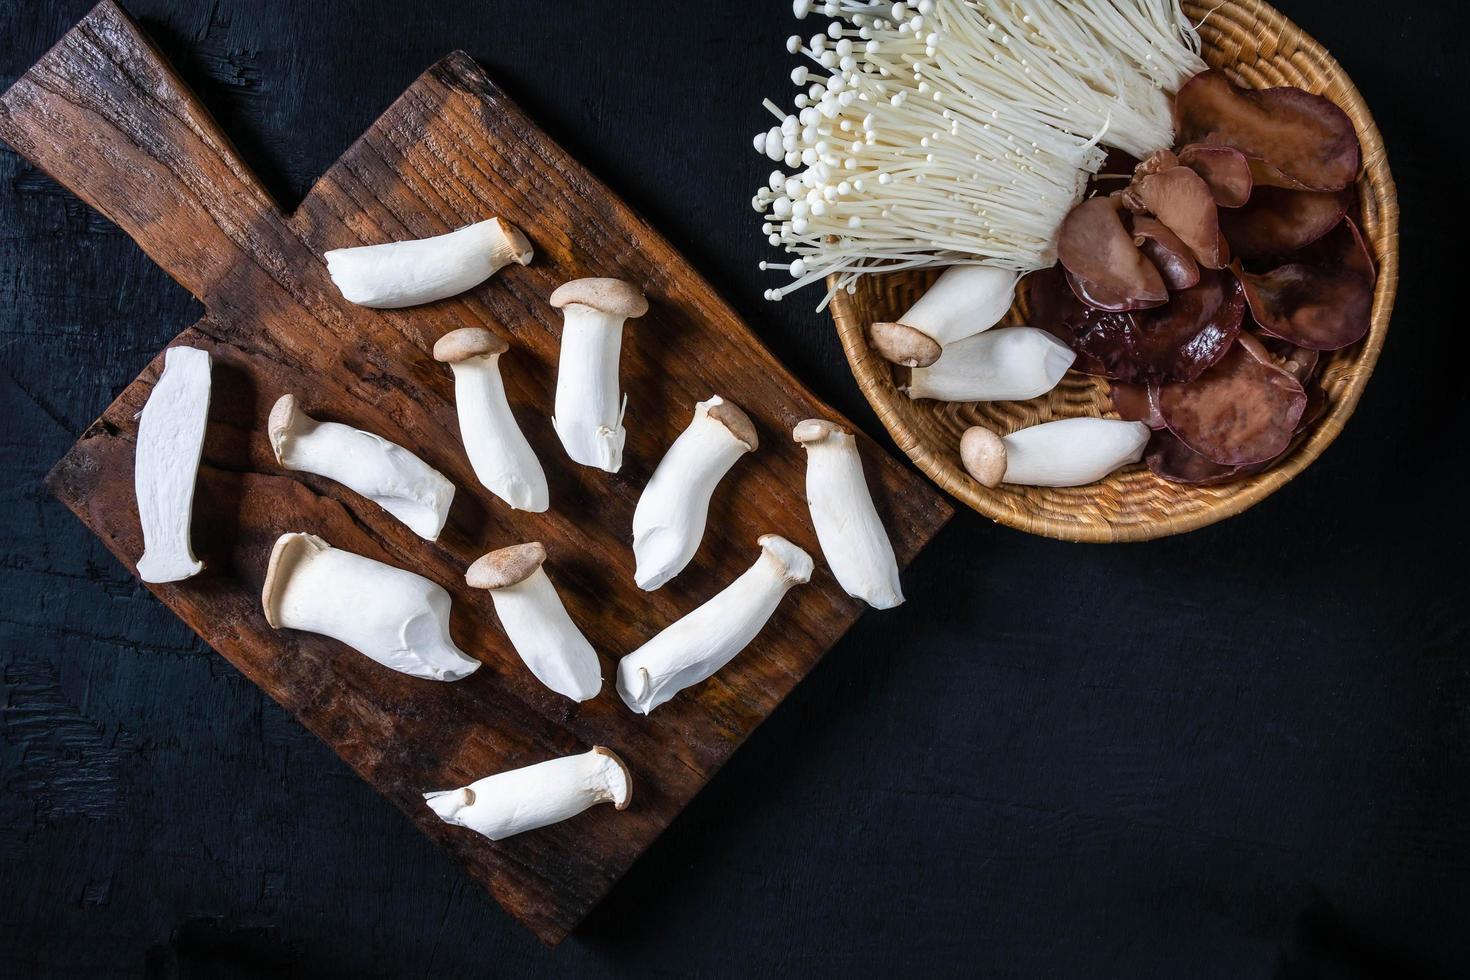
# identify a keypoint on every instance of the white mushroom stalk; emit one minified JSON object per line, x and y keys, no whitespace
{"x":694,"y":648}
{"x":388,"y":614}
{"x":382,"y":471}
{"x":669,"y":522}
{"x":398,"y":274}
{"x":542,"y":632}
{"x":960,"y":131}
{"x":1006,"y":364}
{"x":848,"y":528}
{"x":589,"y":408}
{"x":1064,"y":453}
{"x":503,"y":460}
{"x":964,"y":300}
{"x":514,"y":802}
{"x":166,"y":464}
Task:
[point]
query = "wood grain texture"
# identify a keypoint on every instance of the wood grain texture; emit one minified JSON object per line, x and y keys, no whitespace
{"x":107,"y":117}
{"x":1259,"y":47}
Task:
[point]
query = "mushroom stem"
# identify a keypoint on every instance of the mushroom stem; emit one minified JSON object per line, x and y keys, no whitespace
{"x":510,"y":803}
{"x":1007,"y":364}
{"x":694,"y":648}
{"x":848,"y":528}
{"x":382,"y":471}
{"x":398,"y":274}
{"x":388,"y":614}
{"x":532,"y":614}
{"x":1064,"y":453}
{"x":166,"y":464}
{"x":503,"y":460}
{"x":669,"y":521}
{"x":589,"y":409}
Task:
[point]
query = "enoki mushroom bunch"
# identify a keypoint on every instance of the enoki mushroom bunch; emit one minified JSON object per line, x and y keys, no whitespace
{"x":950,"y":132}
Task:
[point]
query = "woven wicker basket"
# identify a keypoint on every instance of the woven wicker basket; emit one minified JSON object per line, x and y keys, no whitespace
{"x":1259,"y":48}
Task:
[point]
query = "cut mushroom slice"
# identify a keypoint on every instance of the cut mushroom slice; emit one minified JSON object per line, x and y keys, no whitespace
{"x":589,"y":409}
{"x":510,"y":803}
{"x":848,"y":528}
{"x":503,"y":460}
{"x":694,"y":648}
{"x":669,"y":521}
{"x":382,"y":471}
{"x":398,"y":274}
{"x":388,"y":614}
{"x":538,"y":625}
{"x":964,"y":300}
{"x":166,"y":464}
{"x":1064,"y":453}
{"x":1006,"y":364}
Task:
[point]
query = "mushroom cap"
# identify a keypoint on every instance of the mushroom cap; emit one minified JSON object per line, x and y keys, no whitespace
{"x":733,"y":418}
{"x":285,"y":420}
{"x":506,"y":567}
{"x":289,"y":551}
{"x":467,"y":342}
{"x":517,"y":246}
{"x":984,"y":455}
{"x":903,"y":345}
{"x":815,"y":430}
{"x":616,"y":297}
{"x":621,"y":800}
{"x":795,"y":564}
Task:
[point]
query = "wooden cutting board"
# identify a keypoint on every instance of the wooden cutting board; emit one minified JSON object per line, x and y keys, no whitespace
{"x":105,"y":116}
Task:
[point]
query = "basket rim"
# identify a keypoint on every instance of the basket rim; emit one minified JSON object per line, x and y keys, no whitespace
{"x":875,"y":378}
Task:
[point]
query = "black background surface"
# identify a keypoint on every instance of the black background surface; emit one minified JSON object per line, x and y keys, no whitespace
{"x":1238,"y":753}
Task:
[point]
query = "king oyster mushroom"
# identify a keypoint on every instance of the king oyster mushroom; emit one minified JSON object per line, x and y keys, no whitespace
{"x":398,"y":274}
{"x":964,"y":300}
{"x":166,"y":464}
{"x":669,"y":521}
{"x":533,"y":616}
{"x":1064,"y":453}
{"x":694,"y":648}
{"x":589,"y":408}
{"x":510,"y":803}
{"x":503,"y":460}
{"x":391,"y":615}
{"x":382,"y":471}
{"x":848,"y":528}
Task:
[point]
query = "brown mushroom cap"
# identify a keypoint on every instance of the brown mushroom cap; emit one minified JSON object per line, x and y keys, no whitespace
{"x":616,"y":297}
{"x":506,"y":567}
{"x":517,"y":248}
{"x":904,"y":345}
{"x":627,"y":776}
{"x":984,"y":455}
{"x":733,"y":417}
{"x":815,"y":430}
{"x":467,"y":342}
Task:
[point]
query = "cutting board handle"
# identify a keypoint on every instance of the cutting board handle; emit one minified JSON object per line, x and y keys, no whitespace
{"x":106,"y":116}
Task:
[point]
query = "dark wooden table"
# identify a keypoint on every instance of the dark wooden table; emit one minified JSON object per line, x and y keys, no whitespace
{"x":1238,"y":753}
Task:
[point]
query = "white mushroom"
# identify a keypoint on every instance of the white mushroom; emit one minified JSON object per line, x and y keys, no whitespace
{"x":166,"y":463}
{"x":669,"y":521}
{"x":391,"y":615}
{"x":503,"y":460}
{"x":382,"y":471}
{"x":1007,"y":364}
{"x":694,"y":648}
{"x":851,"y":535}
{"x":398,"y":274}
{"x":514,"y":802}
{"x":536,"y":621}
{"x":589,"y":409}
{"x":1064,"y":453}
{"x":964,"y":300}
